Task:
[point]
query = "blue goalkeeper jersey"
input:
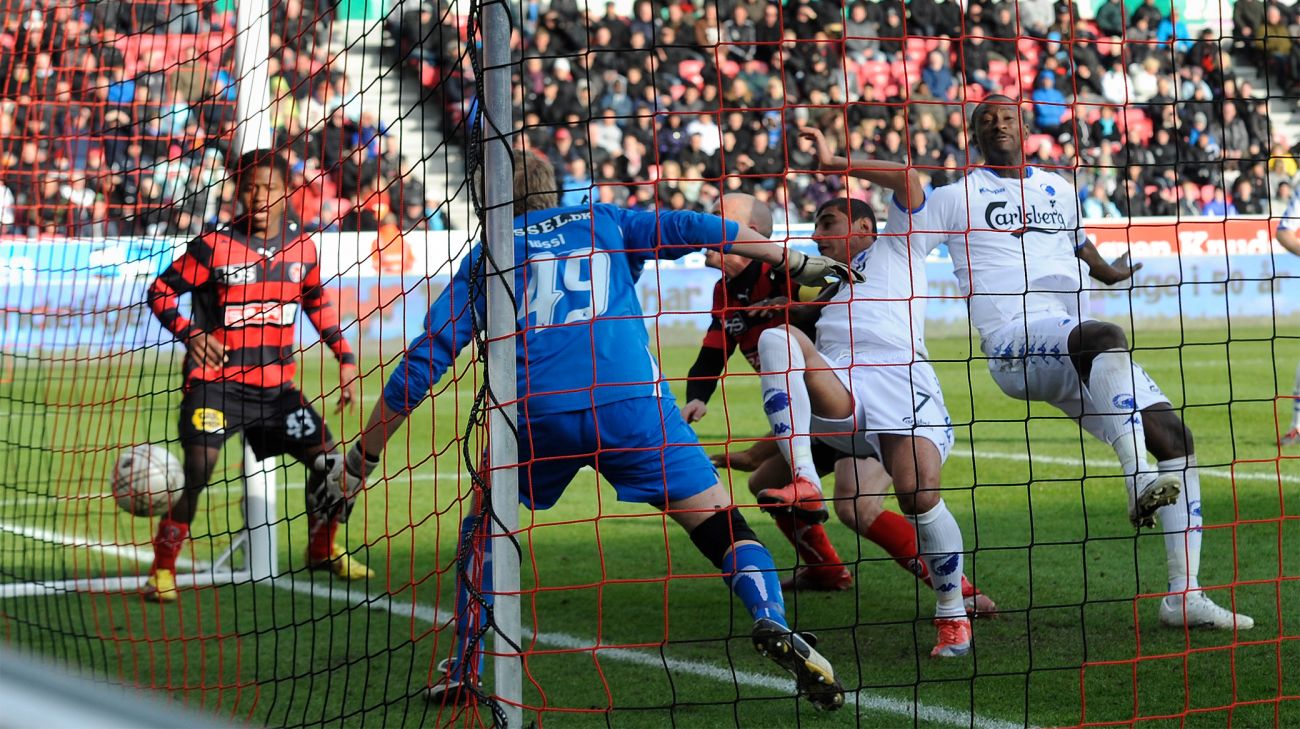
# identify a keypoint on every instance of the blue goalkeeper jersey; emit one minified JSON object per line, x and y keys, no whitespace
{"x":583,"y":339}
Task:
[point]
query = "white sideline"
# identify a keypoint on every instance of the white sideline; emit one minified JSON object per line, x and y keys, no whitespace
{"x":651,"y":659}
{"x":641,"y":657}
{"x":129,"y":552}
{"x":1223,"y":473}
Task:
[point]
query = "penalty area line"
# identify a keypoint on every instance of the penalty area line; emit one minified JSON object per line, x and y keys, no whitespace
{"x":1212,"y":472}
{"x":650,"y":659}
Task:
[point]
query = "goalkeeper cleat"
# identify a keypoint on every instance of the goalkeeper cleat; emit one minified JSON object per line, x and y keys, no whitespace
{"x":802,"y":498}
{"x":978,"y":605}
{"x":1196,"y":610}
{"x":1147,"y":492}
{"x":449,"y":690}
{"x":341,"y":564}
{"x":954,"y":638}
{"x":813,"y":674}
{"x":822,"y":578}
{"x":161,"y":587}
{"x":1291,"y":438}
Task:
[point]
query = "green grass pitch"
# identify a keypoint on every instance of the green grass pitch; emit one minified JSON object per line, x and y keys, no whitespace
{"x":1052,"y":547}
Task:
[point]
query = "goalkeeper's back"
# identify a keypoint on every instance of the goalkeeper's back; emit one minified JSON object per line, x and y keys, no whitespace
{"x":583,"y":339}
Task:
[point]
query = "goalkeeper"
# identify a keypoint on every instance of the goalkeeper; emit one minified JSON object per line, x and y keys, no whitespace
{"x":247,"y":281}
{"x":591,"y":386}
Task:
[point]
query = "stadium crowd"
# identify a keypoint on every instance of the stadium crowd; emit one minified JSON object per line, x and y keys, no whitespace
{"x":690,"y":101}
{"x":116,"y":118}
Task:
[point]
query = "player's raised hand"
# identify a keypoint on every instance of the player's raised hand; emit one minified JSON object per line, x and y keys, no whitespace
{"x":825,"y":157}
{"x":816,"y":270}
{"x":348,"y":376}
{"x":694,"y":410}
{"x":206,"y":350}
{"x":1120,"y":269}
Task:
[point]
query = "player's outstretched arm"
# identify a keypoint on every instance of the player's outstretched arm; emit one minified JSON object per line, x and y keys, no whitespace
{"x":903,"y":180}
{"x":1121,"y":269}
{"x":187,"y":273}
{"x":448,"y":328}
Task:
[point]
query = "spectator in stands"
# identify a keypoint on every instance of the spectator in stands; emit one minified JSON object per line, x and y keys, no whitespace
{"x":1218,"y":205}
{"x":1116,"y":86}
{"x":1247,"y":18}
{"x":1234,"y":137}
{"x":1130,"y":200}
{"x":1149,"y":12}
{"x":577,"y":183}
{"x":1281,"y":199}
{"x":1110,"y":18}
{"x":1277,"y":43}
{"x":739,"y":34}
{"x":1099,"y":205}
{"x":1245,"y":200}
{"x":1050,"y":106}
{"x":937,"y":76}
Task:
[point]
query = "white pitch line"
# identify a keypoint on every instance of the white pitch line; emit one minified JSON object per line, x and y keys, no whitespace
{"x":1063,"y":461}
{"x":131,"y":552}
{"x":651,"y":659}
{"x":641,"y":657}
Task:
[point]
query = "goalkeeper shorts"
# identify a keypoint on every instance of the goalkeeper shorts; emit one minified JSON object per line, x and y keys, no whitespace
{"x":275,"y":420}
{"x":642,"y":447}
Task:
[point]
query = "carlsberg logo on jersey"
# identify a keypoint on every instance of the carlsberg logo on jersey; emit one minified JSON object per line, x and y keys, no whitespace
{"x":1019,"y":221}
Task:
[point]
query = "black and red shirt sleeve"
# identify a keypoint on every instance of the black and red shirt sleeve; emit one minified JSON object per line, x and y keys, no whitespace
{"x":324,"y":315}
{"x":191,"y":271}
{"x":715,"y":350}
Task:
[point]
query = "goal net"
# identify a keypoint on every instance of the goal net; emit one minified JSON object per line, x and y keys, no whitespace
{"x":1172,"y":126}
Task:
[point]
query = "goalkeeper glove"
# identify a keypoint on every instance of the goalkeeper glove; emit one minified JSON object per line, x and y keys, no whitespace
{"x":814,"y":270}
{"x":344,"y":479}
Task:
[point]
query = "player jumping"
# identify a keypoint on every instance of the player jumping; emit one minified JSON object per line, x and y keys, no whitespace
{"x":865,"y":387}
{"x":593,"y":395}
{"x":1287,"y":238}
{"x":1016,"y":243}
{"x":248,"y":280}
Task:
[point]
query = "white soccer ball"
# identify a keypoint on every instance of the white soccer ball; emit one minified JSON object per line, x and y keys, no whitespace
{"x":145,"y":480}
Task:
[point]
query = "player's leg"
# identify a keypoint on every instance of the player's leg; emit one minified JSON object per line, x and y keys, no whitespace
{"x":720,"y":532}
{"x":650,"y":455}
{"x":208,"y":417}
{"x":915,"y":464}
{"x":1292,"y":436}
{"x":1170,"y":441}
{"x":821,"y":569}
{"x":860,"y":488}
{"x":1100,"y":353}
{"x":200,"y":460}
{"x":749,"y":459}
{"x":290,"y":425}
{"x":797,"y":382}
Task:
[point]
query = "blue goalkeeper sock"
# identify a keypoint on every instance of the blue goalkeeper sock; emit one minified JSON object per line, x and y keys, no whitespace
{"x":750,"y":573}
{"x":469,"y":617}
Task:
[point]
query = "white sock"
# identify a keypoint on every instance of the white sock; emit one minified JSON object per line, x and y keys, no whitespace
{"x":938,"y":540}
{"x":786,"y":402}
{"x":1295,"y":403}
{"x":1111,"y":387}
{"x":1181,"y":523}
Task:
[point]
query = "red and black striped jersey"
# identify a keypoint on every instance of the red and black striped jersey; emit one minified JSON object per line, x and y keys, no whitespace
{"x":737,"y":323}
{"x":246,"y":291}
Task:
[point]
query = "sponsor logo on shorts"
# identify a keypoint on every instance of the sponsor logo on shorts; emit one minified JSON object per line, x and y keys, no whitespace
{"x":209,"y":420}
{"x":261,"y":314}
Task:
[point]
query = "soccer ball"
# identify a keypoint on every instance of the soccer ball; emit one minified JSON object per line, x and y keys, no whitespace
{"x":145,"y":480}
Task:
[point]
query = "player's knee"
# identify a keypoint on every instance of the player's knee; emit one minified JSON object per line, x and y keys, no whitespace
{"x":859,"y":512}
{"x":1102,"y":336}
{"x":1166,"y":433}
{"x":720,"y":533}
{"x":918,"y":501}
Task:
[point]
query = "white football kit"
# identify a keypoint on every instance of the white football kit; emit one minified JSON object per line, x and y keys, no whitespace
{"x":1013,"y":244}
{"x":873,"y":336}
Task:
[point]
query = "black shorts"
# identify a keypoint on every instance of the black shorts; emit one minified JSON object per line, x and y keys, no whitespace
{"x":825,"y":457}
{"x":275,"y":420}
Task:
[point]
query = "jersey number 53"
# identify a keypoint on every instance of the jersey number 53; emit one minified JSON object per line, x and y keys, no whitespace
{"x":565,"y":290}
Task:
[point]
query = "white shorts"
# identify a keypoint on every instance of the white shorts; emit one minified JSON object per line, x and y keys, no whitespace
{"x":1032,"y":362}
{"x":898,"y":399}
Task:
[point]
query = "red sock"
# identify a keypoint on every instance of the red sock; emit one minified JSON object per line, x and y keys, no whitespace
{"x":896,"y":534}
{"x":168,"y":542}
{"x":320,"y":538}
{"x":809,"y":540}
